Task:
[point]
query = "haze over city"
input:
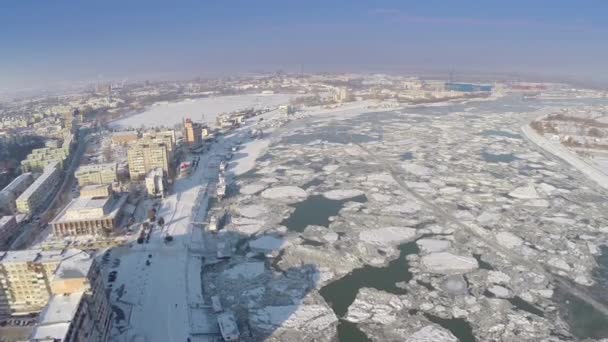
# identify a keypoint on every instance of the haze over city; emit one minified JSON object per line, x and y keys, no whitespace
{"x":59,"y":42}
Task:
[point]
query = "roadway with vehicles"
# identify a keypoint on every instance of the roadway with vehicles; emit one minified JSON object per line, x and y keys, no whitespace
{"x":32,"y":229}
{"x":161,"y":276}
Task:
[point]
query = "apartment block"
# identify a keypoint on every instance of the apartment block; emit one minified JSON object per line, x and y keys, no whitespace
{"x":78,"y":308}
{"x":39,"y":191}
{"x":25,"y":278}
{"x":96,"y":174}
{"x":41,"y":157}
{"x":8,"y":227}
{"x":143,"y":158}
{"x":192,"y":132}
{"x":167,"y":137}
{"x":9,"y":194}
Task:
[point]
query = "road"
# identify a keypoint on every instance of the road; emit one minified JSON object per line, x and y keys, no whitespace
{"x":30,"y":230}
{"x":162,"y":292}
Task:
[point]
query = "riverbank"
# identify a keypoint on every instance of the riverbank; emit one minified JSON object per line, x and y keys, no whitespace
{"x":564,"y":154}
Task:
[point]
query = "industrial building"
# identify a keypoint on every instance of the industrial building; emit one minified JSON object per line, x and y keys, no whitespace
{"x":40,"y":190}
{"x":155,"y":182}
{"x":78,"y":308}
{"x":142,"y":158}
{"x":8,"y":227}
{"x":9,"y":194}
{"x":95,"y":174}
{"x":467,"y":87}
{"x":98,"y":216}
{"x":193,"y":132}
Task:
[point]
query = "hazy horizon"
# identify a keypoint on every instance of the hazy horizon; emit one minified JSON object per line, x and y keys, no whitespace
{"x":62,"y":42}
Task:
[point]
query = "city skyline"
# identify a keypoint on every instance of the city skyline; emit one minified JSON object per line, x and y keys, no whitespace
{"x":63,"y":42}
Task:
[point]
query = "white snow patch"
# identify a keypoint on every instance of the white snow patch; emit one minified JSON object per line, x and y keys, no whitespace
{"x":247,"y":270}
{"x":433,"y":245}
{"x":268,"y":243}
{"x":252,"y":188}
{"x":446,"y":263}
{"x":432,"y":333}
{"x":170,"y":114}
{"x":388,"y":235}
{"x":381,"y":197}
{"x":285,"y":193}
{"x":252,"y":211}
{"x":524,"y":192}
{"x":309,"y":318}
{"x":342,"y":194}
{"x":499,"y":291}
{"x":417,"y":170}
{"x":251,"y":151}
{"x":508,"y":240}
{"x":403,"y":208}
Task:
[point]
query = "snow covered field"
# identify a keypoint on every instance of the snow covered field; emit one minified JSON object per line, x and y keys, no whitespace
{"x":169,"y":114}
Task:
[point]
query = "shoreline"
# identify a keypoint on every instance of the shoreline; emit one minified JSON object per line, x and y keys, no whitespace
{"x":564,"y":154}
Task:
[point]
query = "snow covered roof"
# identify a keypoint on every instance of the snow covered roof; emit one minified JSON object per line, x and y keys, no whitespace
{"x":54,"y":321}
{"x":76,"y":266}
{"x":37,"y":255}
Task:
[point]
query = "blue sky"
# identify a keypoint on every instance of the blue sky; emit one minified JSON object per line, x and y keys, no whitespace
{"x":45,"y":42}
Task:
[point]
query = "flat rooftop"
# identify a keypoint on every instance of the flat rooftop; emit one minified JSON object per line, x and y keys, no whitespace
{"x":4,"y":220}
{"x":96,"y":167}
{"x":18,"y":181}
{"x":54,"y":320}
{"x":37,"y":255}
{"x":48,"y":171}
{"x":75,"y":266}
{"x":114,"y":206}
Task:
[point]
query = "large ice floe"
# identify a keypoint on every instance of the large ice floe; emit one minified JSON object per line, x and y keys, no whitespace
{"x":290,"y":194}
{"x":447,"y":263}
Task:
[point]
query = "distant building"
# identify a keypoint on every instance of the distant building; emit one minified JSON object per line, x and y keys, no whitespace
{"x":9,"y":194}
{"x":78,"y":308}
{"x":206,"y":131}
{"x":40,"y":190}
{"x":89,"y":216}
{"x":155,"y":182}
{"x":8,"y":227}
{"x":96,"y":191}
{"x":142,"y":158}
{"x":341,"y":95}
{"x":96,"y":174}
{"x":162,"y":137}
{"x":467,"y":87}
{"x":41,"y":157}
{"x":192,"y":132}
{"x":124,"y":138}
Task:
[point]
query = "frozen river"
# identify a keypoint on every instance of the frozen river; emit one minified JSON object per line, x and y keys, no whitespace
{"x":169,"y":114}
{"x":501,"y":227}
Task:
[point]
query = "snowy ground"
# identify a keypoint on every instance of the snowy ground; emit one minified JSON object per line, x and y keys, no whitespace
{"x":159,"y":298}
{"x":162,"y":301}
{"x":206,"y":109}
